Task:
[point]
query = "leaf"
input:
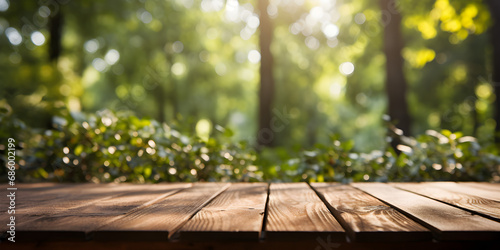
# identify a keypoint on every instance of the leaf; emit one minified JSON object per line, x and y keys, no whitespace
{"x":348,"y":145}
{"x":147,"y":172}
{"x":228,"y":133}
{"x":458,"y":134}
{"x":446,"y":132}
{"x":43,"y":173}
{"x":78,"y":149}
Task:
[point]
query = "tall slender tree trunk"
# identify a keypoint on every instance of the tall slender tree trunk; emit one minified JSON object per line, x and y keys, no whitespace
{"x":395,"y":84}
{"x":265,"y":135}
{"x":55,"y":29}
{"x":495,"y":33}
{"x":55,"y":26}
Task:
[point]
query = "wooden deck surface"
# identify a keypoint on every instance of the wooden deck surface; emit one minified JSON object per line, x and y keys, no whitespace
{"x":297,"y":215}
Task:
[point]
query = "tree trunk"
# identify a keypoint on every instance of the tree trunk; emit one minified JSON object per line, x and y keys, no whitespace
{"x":495,"y":33}
{"x":55,"y":29}
{"x":265,"y":135}
{"x":395,"y":84}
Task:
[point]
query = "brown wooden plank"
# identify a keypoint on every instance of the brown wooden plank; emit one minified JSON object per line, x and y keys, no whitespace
{"x":35,"y":200}
{"x":486,"y":207}
{"x":483,"y":185}
{"x":39,"y":185}
{"x":295,"y":212}
{"x":447,"y":222}
{"x":22,"y":194}
{"x":65,"y":197}
{"x":160,"y":220}
{"x":236,"y":214}
{"x":366,"y":218}
{"x":38,"y":191}
{"x":31,"y":195}
{"x":76,"y":222}
{"x":466,"y":189}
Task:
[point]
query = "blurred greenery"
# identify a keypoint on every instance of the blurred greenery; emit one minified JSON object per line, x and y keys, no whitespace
{"x":118,"y":147}
{"x":150,"y":90}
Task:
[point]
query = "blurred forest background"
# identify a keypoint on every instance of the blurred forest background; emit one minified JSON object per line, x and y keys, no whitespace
{"x":314,"y":80}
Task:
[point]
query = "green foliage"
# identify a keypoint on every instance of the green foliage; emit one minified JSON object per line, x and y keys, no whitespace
{"x":119,"y":147}
{"x":447,"y":156}
{"x":190,"y":61}
{"x":429,"y":157}
{"x":164,"y":72}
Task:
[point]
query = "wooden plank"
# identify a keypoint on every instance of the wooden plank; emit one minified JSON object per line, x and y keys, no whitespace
{"x":46,"y":195}
{"x":236,"y":214}
{"x":39,"y":185}
{"x":483,"y":185}
{"x":295,"y":212}
{"x":68,"y":197}
{"x":446,"y":222}
{"x":160,"y":220}
{"x":76,"y":222}
{"x":486,"y":207}
{"x":466,"y":189}
{"x":35,"y":200}
{"x":34,"y":203}
{"x":367,"y":219}
{"x":38,"y":191}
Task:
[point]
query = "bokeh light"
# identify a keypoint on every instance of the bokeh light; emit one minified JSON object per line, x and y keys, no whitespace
{"x":346,"y":68}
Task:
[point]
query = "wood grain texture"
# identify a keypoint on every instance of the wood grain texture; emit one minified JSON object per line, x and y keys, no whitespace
{"x":447,"y":222}
{"x":236,"y":214}
{"x":487,"y":207}
{"x":41,"y":192}
{"x":70,"y":197}
{"x":74,"y":223}
{"x":295,"y":212}
{"x":466,"y":189}
{"x":366,"y":218}
{"x":160,"y":220}
{"x":126,"y":212}
{"x":40,"y":185}
{"x":36,"y":200}
{"x":483,"y":185}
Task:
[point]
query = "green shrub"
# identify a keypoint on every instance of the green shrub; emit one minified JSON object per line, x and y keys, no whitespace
{"x":119,"y":147}
{"x":109,"y":146}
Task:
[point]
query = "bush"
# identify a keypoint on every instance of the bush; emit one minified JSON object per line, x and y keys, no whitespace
{"x":109,"y":146}
{"x":119,"y":147}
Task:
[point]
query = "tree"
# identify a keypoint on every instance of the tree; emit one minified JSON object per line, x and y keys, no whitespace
{"x":56,"y":23}
{"x":395,"y":83}
{"x":495,"y":33}
{"x":265,"y":135}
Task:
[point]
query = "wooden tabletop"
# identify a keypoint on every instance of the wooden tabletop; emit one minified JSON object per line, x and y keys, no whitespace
{"x":297,"y":215}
